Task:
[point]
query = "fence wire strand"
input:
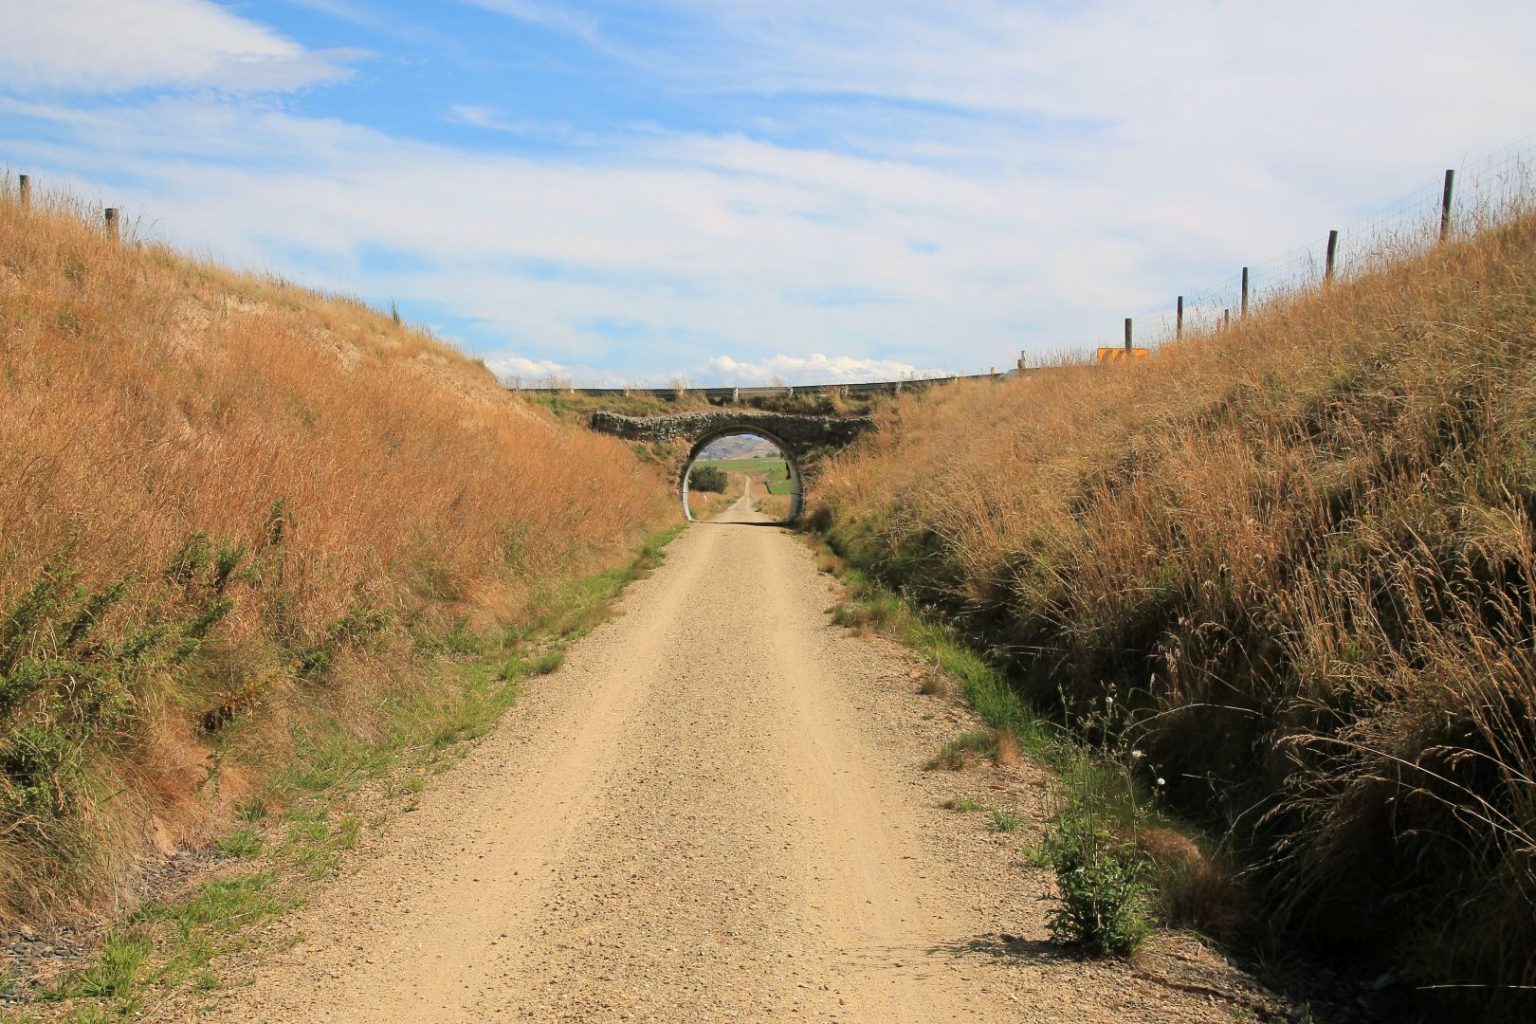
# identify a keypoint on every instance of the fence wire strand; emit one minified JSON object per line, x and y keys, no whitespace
{"x":1486,"y":192}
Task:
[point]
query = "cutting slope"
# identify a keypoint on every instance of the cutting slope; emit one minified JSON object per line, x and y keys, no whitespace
{"x":1303,"y":551}
{"x":230,"y":510}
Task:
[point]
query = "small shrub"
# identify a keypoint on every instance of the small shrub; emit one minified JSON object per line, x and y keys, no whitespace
{"x":1101,"y":889}
{"x":707,"y":478}
{"x":868,"y":609}
{"x":964,"y":804}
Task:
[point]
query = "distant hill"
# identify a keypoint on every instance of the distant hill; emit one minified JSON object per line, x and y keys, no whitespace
{"x":741,"y":446}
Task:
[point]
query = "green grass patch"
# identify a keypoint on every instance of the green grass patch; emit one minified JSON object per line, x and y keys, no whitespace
{"x":473,"y":679}
{"x":547,"y":662}
{"x":243,"y":842}
{"x":1005,"y":821}
{"x":117,"y":972}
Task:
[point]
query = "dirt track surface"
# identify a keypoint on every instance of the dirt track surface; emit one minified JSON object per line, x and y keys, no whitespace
{"x":715,"y":811}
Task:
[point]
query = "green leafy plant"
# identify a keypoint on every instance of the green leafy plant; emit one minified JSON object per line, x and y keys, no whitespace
{"x":707,"y":478}
{"x":1102,"y":887}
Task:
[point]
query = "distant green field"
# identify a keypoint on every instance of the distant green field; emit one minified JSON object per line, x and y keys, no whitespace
{"x":777,"y":471}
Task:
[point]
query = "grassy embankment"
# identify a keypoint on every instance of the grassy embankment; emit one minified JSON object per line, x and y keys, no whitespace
{"x":246,"y":529}
{"x":1299,"y":556}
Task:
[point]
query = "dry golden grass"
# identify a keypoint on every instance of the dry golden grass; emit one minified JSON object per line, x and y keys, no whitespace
{"x":1304,"y":549}
{"x":221,"y":494}
{"x":775,"y":506}
{"x":708,"y":504}
{"x":1008,"y":754}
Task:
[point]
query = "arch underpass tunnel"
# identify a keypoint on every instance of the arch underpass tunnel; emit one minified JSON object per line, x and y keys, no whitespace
{"x":741,"y":475}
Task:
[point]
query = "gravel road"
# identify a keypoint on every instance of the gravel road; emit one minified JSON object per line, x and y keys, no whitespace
{"x":715,"y":811}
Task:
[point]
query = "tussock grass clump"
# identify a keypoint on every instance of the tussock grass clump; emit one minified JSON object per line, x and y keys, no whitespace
{"x":235,"y":514}
{"x":959,"y":752}
{"x":1302,"y":551}
{"x":1005,"y":820}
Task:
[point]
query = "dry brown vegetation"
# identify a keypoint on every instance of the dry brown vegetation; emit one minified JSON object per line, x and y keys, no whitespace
{"x":708,"y":504}
{"x":232,"y":510}
{"x":1302,"y":550}
{"x":776,"y":506}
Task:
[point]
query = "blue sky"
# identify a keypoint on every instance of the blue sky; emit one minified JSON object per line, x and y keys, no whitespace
{"x":736,"y":192}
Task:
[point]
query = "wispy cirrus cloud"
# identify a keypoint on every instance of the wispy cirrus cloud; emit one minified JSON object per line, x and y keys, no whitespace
{"x":492,"y":119}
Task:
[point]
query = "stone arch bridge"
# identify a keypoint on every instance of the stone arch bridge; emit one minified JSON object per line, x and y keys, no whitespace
{"x":802,"y":438}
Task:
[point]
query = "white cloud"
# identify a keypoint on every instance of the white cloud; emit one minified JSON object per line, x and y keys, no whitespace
{"x":116,"y":45}
{"x":529,"y":372}
{"x":1019,"y":180}
{"x":813,"y":369}
{"x":491,"y":119}
{"x":718,"y":371}
{"x":554,"y":16}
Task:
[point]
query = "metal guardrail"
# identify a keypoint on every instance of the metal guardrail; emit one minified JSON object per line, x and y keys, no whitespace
{"x":718,"y":396}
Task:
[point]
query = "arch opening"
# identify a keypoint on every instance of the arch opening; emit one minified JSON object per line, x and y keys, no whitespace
{"x":741,"y":473}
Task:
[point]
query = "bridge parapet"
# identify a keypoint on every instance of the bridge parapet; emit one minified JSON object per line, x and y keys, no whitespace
{"x":799,"y":435}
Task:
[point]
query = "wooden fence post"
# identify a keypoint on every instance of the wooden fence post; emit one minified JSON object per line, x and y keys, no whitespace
{"x":1445,"y":204}
{"x":1333,"y":251}
{"x":1244,"y":312}
{"x":110,"y":213}
{"x":1226,"y":318}
{"x":1127,"y":336}
{"x":25,"y":184}
{"x":1178,"y":321}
